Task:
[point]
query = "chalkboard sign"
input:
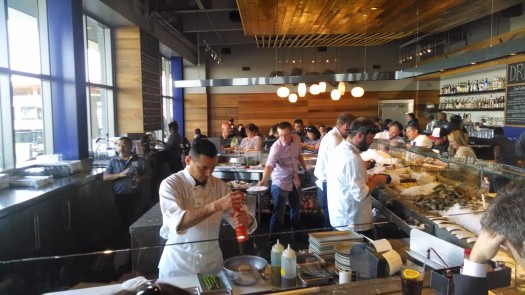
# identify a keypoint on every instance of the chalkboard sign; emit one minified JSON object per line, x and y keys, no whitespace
{"x":516,"y":73}
{"x":515,"y":105}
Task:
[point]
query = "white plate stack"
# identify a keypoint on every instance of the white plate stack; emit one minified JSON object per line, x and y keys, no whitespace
{"x":322,"y":243}
{"x":342,"y":255}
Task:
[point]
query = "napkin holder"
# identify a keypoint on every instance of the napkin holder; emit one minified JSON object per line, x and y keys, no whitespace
{"x":367,"y":263}
{"x":443,"y":284}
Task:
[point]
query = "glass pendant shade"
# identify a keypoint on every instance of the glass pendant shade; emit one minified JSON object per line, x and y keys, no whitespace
{"x":357,"y":91}
{"x":301,"y":89}
{"x":283,"y":91}
{"x":322,"y":87}
{"x":315,"y":89}
{"x":335,"y":94}
{"x":342,"y":88}
{"x":292,"y":97}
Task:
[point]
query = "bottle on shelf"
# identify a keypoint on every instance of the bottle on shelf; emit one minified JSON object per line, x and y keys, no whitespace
{"x":275,"y":261}
{"x":288,"y":268}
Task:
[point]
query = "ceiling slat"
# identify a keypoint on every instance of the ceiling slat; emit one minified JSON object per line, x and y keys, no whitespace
{"x":339,"y":22}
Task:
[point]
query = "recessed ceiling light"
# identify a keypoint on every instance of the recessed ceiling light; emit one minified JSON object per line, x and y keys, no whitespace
{"x":373,"y":8}
{"x":514,"y":53}
{"x":473,"y":63}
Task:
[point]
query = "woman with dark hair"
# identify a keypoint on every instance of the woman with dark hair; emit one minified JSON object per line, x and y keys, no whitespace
{"x":313,"y":139}
{"x":252,"y":141}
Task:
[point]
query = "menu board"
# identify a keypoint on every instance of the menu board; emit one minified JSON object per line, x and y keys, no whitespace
{"x":515,"y":102}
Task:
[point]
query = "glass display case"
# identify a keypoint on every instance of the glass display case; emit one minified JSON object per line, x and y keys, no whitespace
{"x":427,"y":186}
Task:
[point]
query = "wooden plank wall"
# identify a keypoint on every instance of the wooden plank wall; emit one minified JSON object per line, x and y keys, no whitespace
{"x":195,"y":114}
{"x":266,"y":109}
{"x":128,"y":70}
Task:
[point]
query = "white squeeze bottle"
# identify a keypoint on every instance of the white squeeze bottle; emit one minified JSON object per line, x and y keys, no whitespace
{"x":288,"y":268}
{"x":275,"y":257}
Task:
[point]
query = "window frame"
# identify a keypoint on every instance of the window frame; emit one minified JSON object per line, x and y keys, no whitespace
{"x":107,"y":75}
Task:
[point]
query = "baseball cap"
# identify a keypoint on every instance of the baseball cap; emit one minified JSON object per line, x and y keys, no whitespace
{"x":438,"y":133}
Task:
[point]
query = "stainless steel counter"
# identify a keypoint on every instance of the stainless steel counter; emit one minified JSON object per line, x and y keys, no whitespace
{"x":13,"y":199}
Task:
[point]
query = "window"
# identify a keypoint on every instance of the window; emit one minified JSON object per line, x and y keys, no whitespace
{"x":167,"y":95}
{"x":28,"y":118}
{"x":100,"y":81}
{"x":25,"y":96}
{"x":23,"y":32}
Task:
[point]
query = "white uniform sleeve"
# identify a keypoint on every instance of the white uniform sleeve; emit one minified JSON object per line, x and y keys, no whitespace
{"x":171,"y":205}
{"x":358,"y":187}
{"x":474,"y":269}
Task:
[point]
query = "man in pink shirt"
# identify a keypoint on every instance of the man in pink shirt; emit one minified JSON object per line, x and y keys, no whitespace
{"x":283,"y":166}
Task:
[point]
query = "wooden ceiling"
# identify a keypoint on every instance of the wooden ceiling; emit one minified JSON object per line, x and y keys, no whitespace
{"x":312,"y":23}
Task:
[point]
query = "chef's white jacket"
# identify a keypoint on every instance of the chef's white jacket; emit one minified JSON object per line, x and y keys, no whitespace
{"x":328,"y":143}
{"x":182,"y":255}
{"x":349,"y":202}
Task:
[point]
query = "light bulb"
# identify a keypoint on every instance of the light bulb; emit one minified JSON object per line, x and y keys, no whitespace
{"x":283,"y":91}
{"x":341,"y":87}
{"x":357,"y":91}
{"x":292,"y":97}
{"x":322,"y":87}
{"x":335,"y":94}
{"x":315,"y":89}
{"x":301,"y":89}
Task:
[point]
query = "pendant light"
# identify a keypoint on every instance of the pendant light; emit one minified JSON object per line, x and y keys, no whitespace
{"x":335,"y":94}
{"x":358,"y":91}
{"x":322,"y":87}
{"x":301,"y":89}
{"x":315,"y":89}
{"x":292,"y":97}
{"x":283,"y":91}
{"x":341,"y":87}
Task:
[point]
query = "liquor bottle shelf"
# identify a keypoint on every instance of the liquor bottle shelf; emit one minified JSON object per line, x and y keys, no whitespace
{"x":472,"y":110}
{"x":472,"y":93}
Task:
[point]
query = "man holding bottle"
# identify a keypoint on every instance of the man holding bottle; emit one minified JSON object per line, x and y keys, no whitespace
{"x":192,"y":203}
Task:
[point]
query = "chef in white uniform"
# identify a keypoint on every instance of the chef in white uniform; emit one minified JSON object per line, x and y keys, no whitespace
{"x":192,"y":203}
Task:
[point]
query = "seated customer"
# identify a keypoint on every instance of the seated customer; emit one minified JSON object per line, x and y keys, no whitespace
{"x":440,"y":138}
{"x":417,"y":139}
{"x":502,"y":224}
{"x":313,"y":139}
{"x":459,"y":147}
{"x":392,"y":133}
{"x":252,"y":142}
{"x":503,"y":148}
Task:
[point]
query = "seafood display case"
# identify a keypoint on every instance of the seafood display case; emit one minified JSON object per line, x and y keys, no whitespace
{"x":441,"y":196}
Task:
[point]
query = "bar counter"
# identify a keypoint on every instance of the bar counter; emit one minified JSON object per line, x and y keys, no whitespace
{"x":15,"y":198}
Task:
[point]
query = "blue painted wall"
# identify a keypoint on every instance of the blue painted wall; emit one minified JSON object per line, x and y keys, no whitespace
{"x":66,"y":42}
{"x":178,"y":96}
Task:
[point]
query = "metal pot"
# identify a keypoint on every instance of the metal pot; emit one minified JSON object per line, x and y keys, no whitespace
{"x":244,"y":270}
